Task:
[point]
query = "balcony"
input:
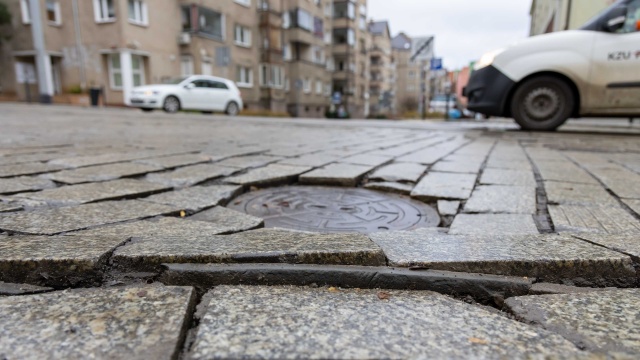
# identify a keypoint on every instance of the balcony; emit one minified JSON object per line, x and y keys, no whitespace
{"x":302,"y":36}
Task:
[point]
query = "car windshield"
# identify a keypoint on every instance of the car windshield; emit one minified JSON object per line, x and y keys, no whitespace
{"x":594,"y":22}
{"x":175,"y":81}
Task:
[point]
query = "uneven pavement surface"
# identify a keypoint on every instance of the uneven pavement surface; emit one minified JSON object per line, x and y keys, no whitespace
{"x":131,"y":235}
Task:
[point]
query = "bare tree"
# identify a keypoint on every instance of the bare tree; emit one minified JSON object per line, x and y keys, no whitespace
{"x":409,"y":104}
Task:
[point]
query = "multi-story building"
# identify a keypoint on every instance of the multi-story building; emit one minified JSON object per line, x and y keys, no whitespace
{"x":350,"y":59}
{"x":382,"y":70}
{"x":557,"y":15}
{"x":410,"y":75}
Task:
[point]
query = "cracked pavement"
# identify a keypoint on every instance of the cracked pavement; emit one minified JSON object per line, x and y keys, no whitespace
{"x":122,"y":234}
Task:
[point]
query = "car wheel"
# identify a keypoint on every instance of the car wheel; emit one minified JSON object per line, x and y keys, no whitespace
{"x":542,"y":104}
{"x":147,"y":109}
{"x":232,"y":109}
{"x":171,"y":104}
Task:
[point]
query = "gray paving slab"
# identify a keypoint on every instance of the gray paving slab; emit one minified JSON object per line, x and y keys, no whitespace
{"x":336,"y":174}
{"x":603,"y":321}
{"x":273,"y":174}
{"x":627,"y":243}
{"x":388,"y":186}
{"x":367,"y":159}
{"x":395,"y":172}
{"x":502,"y":199}
{"x":448,"y":207}
{"x":547,"y":257}
{"x":92,"y":192}
{"x":312,"y":160}
{"x":499,"y":224}
{"x":264,"y":245}
{"x":436,"y":185}
{"x":59,"y":220}
{"x":459,"y":164}
{"x":55,"y":260}
{"x":7,"y":207}
{"x":28,"y":169}
{"x":623,"y":182}
{"x":499,"y":163}
{"x":131,"y":323}
{"x":578,"y":194}
{"x":508,"y":177}
{"x":11,"y":289}
{"x":250,"y":161}
{"x":197,"y":198}
{"x":173,"y":161}
{"x":564,"y":171}
{"x":633,"y":204}
{"x":101,"y":172}
{"x":330,"y":323}
{"x":115,"y":157}
{"x":24,"y":183}
{"x":234,"y":219}
{"x":221,"y":152}
{"x":549,"y":288}
{"x":432,"y":154}
{"x":567,"y":218}
{"x":191,"y":175}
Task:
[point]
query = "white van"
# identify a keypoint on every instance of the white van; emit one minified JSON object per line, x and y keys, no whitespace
{"x":545,"y":80}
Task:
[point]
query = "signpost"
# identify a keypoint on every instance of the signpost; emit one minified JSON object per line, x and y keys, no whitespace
{"x":422,"y":51}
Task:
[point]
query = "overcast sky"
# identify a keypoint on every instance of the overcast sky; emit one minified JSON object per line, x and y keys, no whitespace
{"x":464,"y":29}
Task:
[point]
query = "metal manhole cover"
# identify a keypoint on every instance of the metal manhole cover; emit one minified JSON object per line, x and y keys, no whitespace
{"x":324,"y":209}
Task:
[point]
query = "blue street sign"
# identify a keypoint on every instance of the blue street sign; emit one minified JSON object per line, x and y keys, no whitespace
{"x":336,"y":98}
{"x":436,"y":64}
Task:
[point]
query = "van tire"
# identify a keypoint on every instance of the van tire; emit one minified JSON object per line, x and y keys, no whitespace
{"x":542,"y":103}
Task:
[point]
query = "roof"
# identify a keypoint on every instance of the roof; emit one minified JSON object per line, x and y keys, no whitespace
{"x":379,"y":28}
{"x":401,"y":42}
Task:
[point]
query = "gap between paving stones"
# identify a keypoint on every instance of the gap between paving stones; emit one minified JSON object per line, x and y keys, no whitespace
{"x":542,"y":217}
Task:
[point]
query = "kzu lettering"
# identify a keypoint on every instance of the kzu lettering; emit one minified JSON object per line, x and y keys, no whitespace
{"x":619,"y":56}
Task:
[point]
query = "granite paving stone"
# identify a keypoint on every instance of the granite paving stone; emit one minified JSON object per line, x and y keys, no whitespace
{"x":623,"y":182}
{"x":448,"y":207}
{"x":116,"y":323}
{"x":7,"y":207}
{"x":81,"y":161}
{"x":633,"y":204}
{"x":264,"y":245}
{"x":191,"y":175}
{"x":436,"y":185}
{"x":101,"y":172}
{"x":11,"y":289}
{"x":578,"y":194}
{"x":502,"y":199}
{"x":564,"y":171}
{"x":433,"y":154}
{"x":610,"y":219}
{"x":388,"y":186}
{"x":340,"y":174}
{"x":269,"y":175}
{"x":497,"y":163}
{"x":24,"y":183}
{"x":459,"y":164}
{"x":508,"y":177}
{"x":502,"y":224}
{"x":173,"y":161}
{"x":251,"y":161}
{"x":549,"y":288}
{"x":197,"y":198}
{"x":313,"y":160}
{"x":28,"y":169}
{"x":399,"y":172}
{"x":92,"y":192}
{"x":603,"y":321}
{"x":367,"y":159}
{"x":55,"y":260}
{"x":59,"y":220}
{"x":548,"y":257}
{"x":627,"y":243}
{"x":221,"y":152}
{"x":235,"y":220}
{"x":329,"y":323}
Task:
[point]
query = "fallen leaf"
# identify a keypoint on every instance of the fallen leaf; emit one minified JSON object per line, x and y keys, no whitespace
{"x":142,"y":293}
{"x":284,"y":204}
{"x":237,"y":202}
{"x":332,"y":289}
{"x":265,"y":205}
{"x":182,"y":213}
{"x":478,"y":341}
{"x":383,"y":295}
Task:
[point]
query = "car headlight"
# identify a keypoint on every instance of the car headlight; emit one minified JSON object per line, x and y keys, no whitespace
{"x":149,"y":93}
{"x":487,"y":59}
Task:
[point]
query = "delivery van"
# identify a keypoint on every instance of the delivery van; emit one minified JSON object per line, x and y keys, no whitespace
{"x":544,"y":80}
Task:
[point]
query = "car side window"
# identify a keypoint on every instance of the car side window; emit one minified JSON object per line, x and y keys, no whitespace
{"x":632,"y":24}
{"x":201,"y":83}
{"x":219,"y":85}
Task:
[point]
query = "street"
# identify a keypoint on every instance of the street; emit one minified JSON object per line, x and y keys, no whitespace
{"x":129,"y":234}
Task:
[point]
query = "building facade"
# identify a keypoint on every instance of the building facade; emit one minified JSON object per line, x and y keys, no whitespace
{"x":410,"y":75}
{"x":382,"y":70}
{"x":558,"y":15}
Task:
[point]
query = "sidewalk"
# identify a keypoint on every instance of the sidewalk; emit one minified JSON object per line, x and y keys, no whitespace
{"x":134,"y":235}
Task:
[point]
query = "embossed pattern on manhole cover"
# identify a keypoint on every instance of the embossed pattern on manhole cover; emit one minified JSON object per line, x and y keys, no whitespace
{"x":325,"y":209}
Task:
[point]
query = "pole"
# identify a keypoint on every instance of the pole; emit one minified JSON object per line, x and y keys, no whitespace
{"x":446,"y":111}
{"x":423,"y":89}
{"x":43,"y":61}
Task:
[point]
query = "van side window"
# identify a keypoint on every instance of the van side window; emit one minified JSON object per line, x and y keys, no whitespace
{"x":633,"y":18}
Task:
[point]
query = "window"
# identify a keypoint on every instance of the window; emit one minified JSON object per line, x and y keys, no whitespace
{"x":186,"y":18}
{"x":286,"y":52}
{"x":137,"y":70}
{"x":304,"y":20}
{"x":104,"y":10}
{"x":318,"y":55}
{"x":287,"y":84}
{"x":633,"y":18}
{"x":277,"y":77}
{"x":306,"y":85}
{"x":210,"y":23}
{"x":363,"y":22}
{"x":331,"y":64}
{"x":344,"y":9}
{"x":115,"y":72}
{"x":243,"y":2}
{"x":327,"y":37}
{"x":186,"y":65}
{"x":328,"y":9}
{"x":363,"y":10}
{"x":318,"y":87}
{"x":264,"y":75}
{"x":242,"y":36}
{"x":286,"y":20}
{"x":53,"y":12}
{"x":26,"y":12}
{"x":344,"y":36}
{"x":138,"y":12}
{"x":207,"y":68}
{"x":327,"y":89}
{"x":244,"y":76}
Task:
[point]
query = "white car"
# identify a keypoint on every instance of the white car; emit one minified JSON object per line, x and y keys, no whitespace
{"x":439,"y":103}
{"x":198,"y":92}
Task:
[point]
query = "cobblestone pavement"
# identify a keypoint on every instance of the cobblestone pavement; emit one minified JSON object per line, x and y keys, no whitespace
{"x":134,"y":235}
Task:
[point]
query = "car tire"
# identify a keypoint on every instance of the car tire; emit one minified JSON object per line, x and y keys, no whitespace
{"x":171,"y":105}
{"x":147,"y":109}
{"x":542,"y":103}
{"x":232,"y":109}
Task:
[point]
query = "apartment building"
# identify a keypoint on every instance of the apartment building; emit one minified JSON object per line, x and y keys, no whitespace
{"x":382,"y":70}
{"x":350,"y":56}
{"x":409,"y":75}
{"x":557,"y":15}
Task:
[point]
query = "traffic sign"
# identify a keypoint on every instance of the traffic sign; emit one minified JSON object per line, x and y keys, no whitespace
{"x":422,"y":48}
{"x":436,"y":64}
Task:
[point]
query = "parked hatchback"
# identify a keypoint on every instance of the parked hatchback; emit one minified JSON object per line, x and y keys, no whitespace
{"x":198,"y":92}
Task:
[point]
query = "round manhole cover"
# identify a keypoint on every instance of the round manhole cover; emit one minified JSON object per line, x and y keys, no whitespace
{"x":324,"y":209}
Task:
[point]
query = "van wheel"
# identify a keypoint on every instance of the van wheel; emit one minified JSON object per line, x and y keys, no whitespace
{"x":171,"y":104}
{"x":542,"y":104}
{"x":232,"y":109}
